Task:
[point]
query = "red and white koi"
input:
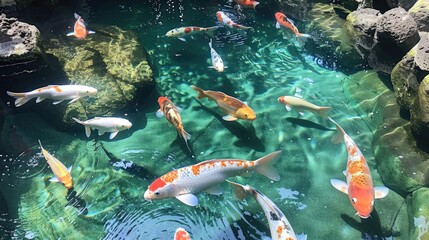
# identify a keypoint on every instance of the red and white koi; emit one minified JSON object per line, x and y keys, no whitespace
{"x":283,"y":21}
{"x":280,"y":227}
{"x":181,"y":234}
{"x":224,"y":19}
{"x":79,"y":29}
{"x":62,"y":174}
{"x":206,"y":176}
{"x":105,"y":124}
{"x":58,"y":93}
{"x":171,"y":113}
{"x":359,"y":186}
{"x":247,"y":3}
{"x":183,"y":32}
{"x":217,"y":62}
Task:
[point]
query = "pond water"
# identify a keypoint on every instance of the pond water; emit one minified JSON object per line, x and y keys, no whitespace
{"x":111,"y":176}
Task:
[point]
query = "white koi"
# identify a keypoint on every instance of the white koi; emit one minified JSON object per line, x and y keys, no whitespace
{"x":206,"y":176}
{"x":224,"y":19}
{"x":105,"y":124}
{"x":182,"y":32}
{"x":217,"y":61}
{"x":302,"y":105}
{"x":58,"y":93}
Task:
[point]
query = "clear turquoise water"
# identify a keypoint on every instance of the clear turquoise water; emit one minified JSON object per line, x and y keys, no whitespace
{"x":111,"y":176}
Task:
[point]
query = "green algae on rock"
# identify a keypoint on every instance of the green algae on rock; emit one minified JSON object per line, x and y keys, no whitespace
{"x":418,"y":213}
{"x":420,"y":12}
{"x":113,"y":61}
{"x":420,"y":111}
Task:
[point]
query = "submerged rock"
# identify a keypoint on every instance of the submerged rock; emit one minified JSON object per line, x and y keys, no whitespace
{"x":20,"y":47}
{"x":418,"y":212}
{"x":420,"y":13}
{"x":113,"y":61}
{"x":420,"y":111}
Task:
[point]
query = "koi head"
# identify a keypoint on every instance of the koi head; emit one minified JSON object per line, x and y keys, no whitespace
{"x":362,"y":202}
{"x":87,"y":91}
{"x":68,"y":184}
{"x":181,"y":234}
{"x":246,"y":113}
{"x":124,"y":124}
{"x":172,"y":33}
{"x":280,"y":16}
{"x":158,"y":190}
{"x":219,"y":15}
{"x":281,"y":100}
{"x":219,"y":66}
{"x":162,"y":100}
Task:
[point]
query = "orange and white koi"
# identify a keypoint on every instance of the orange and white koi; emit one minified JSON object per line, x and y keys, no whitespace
{"x":247,"y":3}
{"x":280,"y":227}
{"x":235,"y":108}
{"x":171,"y":113}
{"x":62,"y":174}
{"x":283,"y":21}
{"x":79,"y":29}
{"x":301,"y":105}
{"x":224,"y":19}
{"x":58,"y":93}
{"x":206,"y":176}
{"x":217,"y":62}
{"x":359,"y":186}
{"x":181,"y":234}
{"x":182,"y":32}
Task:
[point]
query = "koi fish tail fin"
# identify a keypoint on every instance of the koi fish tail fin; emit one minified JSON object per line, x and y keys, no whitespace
{"x":200,"y":91}
{"x":240,"y":191}
{"x":304,"y":35}
{"x":339,"y":136}
{"x":380,"y":192}
{"x":76,"y":16}
{"x":210,"y":44}
{"x":323,"y":112}
{"x":21,"y":99}
{"x":87,"y":129}
{"x":185,"y":135}
{"x":264,"y":166}
{"x":210,"y":30}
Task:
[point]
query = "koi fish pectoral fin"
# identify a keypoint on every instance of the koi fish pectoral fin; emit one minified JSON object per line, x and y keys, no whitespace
{"x":87,"y":131}
{"x":74,"y":100}
{"x":57,"y":102}
{"x":113,"y":134}
{"x":91,"y":32}
{"x":39,"y":99}
{"x":188,"y":199}
{"x":380,"y":192}
{"x":215,"y":190}
{"x":278,"y":25}
{"x":182,"y":39}
{"x":159,"y":113}
{"x":70,"y":34}
{"x":229,"y":118}
{"x":54,"y":179}
{"x":340,"y":185}
{"x":239,"y":190}
{"x":288,"y":107}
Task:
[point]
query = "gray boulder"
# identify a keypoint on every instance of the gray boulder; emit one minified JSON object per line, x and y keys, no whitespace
{"x":20,"y":46}
{"x":422,"y":55}
{"x":364,"y":20}
{"x":420,"y":13}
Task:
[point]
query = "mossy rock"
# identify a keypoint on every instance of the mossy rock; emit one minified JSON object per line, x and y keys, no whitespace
{"x":418,"y":213}
{"x":420,"y":110}
{"x":420,"y":13}
{"x":113,"y":61}
{"x":329,"y":24}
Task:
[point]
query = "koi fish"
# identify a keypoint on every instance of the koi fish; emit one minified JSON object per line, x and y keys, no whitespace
{"x":283,"y":21}
{"x":206,"y":176}
{"x":359,"y":186}
{"x":217,"y":61}
{"x":58,"y":93}
{"x":224,"y":19}
{"x":62,"y":174}
{"x":105,"y":124}
{"x":280,"y":227}
{"x":181,"y":234}
{"x":235,"y":108}
{"x":171,"y":113}
{"x":247,"y":3}
{"x":80,"y":30}
{"x":182,"y":32}
{"x":301,"y":105}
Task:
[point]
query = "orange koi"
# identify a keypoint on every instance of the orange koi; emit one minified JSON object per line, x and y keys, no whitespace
{"x":171,"y":113}
{"x":284,"y":21}
{"x":62,"y":174}
{"x":247,"y":3}
{"x":80,"y":30}
{"x":359,"y":185}
{"x":235,"y":108}
{"x":181,"y":234}
{"x":206,"y":176}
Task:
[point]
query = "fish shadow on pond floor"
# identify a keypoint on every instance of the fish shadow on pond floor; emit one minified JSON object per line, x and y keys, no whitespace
{"x":75,"y":201}
{"x":247,"y":136}
{"x":370,"y":228}
{"x":307,"y":124}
